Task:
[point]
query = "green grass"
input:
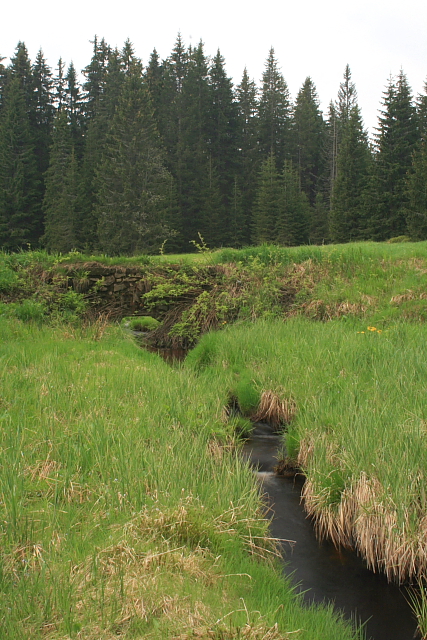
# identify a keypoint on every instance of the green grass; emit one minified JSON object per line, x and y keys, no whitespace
{"x":119,"y":477}
{"x":122,"y":512}
{"x":360,"y":426}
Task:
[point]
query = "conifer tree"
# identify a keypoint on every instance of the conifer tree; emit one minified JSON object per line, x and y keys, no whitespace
{"x":43,"y":93}
{"x":267,"y":207}
{"x":2,"y":81}
{"x":61,"y":199}
{"x":421,"y":107}
{"x":169,"y":112}
{"x":169,"y":104}
{"x":274,"y":113}
{"x":73,"y":104}
{"x":416,"y":214}
{"x":395,"y":142}
{"x":338,"y":115}
{"x":348,"y":214}
{"x":331,"y":153}
{"x":197,"y":169}
{"x":153,"y":78}
{"x":347,"y":97}
{"x":222,"y":135}
{"x":59,"y":84}
{"x":309,"y":140}
{"x":20,"y":215}
{"x":95,"y":73}
{"x":127,"y":56}
{"x":20,"y":68}
{"x":41,"y":119}
{"x":94,"y":141}
{"x":292,"y":223}
{"x":135,"y":203}
{"x":249,"y":157}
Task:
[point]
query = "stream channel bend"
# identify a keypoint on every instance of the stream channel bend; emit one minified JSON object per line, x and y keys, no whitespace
{"x":321,"y":571}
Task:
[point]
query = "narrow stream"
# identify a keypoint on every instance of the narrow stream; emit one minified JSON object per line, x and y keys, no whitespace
{"x":322,"y":572}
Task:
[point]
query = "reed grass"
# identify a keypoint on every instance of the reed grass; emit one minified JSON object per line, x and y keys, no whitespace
{"x":124,"y":511}
{"x":358,"y":429}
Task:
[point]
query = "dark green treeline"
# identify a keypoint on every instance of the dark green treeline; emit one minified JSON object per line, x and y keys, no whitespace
{"x":136,"y":158}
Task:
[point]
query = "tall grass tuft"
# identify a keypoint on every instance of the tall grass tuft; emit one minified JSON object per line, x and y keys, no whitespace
{"x":124,"y":512}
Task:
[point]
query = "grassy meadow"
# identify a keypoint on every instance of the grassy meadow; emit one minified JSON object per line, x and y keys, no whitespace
{"x":125,"y":509}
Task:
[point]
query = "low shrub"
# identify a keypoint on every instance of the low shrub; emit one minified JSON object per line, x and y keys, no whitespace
{"x":143,"y":323}
{"x":29,"y":311}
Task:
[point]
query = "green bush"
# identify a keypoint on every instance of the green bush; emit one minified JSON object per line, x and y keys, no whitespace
{"x":72,"y":301}
{"x":9,"y":279}
{"x":29,"y":311}
{"x":398,"y":239}
{"x":143,"y":323}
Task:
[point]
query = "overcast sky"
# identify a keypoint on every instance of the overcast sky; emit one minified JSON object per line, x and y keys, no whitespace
{"x":311,"y":38}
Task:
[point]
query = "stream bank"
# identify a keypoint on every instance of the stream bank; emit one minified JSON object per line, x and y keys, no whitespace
{"x":320,"y":571}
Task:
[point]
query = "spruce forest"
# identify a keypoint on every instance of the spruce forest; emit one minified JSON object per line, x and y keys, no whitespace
{"x":168,"y":155}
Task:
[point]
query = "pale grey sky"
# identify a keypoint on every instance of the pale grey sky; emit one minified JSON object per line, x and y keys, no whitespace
{"x":375,"y":37}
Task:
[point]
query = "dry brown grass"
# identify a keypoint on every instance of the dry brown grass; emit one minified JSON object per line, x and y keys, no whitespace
{"x":407,"y":296}
{"x":248,"y":631}
{"x":144,"y":576}
{"x":323,"y":311}
{"x":275,"y":407}
{"x":366,"y":518}
{"x":24,"y":558}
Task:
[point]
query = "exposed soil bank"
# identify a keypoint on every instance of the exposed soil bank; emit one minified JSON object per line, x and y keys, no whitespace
{"x":322,"y":572}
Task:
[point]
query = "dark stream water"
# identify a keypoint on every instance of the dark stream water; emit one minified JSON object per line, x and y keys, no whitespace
{"x":321,"y":571}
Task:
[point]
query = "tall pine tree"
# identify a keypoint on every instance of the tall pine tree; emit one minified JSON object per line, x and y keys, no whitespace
{"x":309,"y":140}
{"x":348,"y":207}
{"x":135,"y":195}
{"x":267,"y":202}
{"x":222,"y":134}
{"x":274,"y":113}
{"x":20,"y":207}
{"x":395,"y":142}
{"x":249,"y":157}
{"x":292,"y":224}
{"x":416,"y":215}
{"x":61,"y":199}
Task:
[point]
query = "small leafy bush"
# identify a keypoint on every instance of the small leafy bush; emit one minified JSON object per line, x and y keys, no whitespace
{"x":9,"y":279}
{"x":143,"y":323}
{"x":29,"y":311}
{"x":398,"y":239}
{"x":72,"y":301}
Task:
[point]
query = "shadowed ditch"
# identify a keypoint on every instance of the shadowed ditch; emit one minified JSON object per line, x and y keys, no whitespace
{"x":321,"y":571}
